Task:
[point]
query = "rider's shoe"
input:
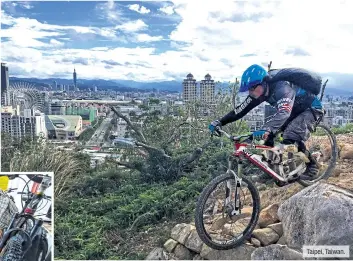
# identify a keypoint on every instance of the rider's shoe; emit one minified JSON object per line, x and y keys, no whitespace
{"x":312,"y":170}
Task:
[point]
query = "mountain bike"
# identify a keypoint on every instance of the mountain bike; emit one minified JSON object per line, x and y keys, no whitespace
{"x":25,"y":238}
{"x":281,"y":162}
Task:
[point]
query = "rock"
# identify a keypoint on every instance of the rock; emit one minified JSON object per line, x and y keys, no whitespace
{"x":278,"y":228}
{"x":255,"y":242}
{"x":276,"y":252}
{"x":194,"y":242}
{"x":181,"y":232}
{"x":242,"y":252}
{"x":170,"y":245}
{"x":347,"y":154}
{"x":281,"y":241}
{"x":268,"y":216}
{"x":182,"y":252}
{"x":234,"y":229}
{"x":219,"y":221}
{"x":337,"y":172}
{"x":321,"y":214}
{"x":266,"y":236}
{"x":156,"y":254}
{"x":197,"y":257}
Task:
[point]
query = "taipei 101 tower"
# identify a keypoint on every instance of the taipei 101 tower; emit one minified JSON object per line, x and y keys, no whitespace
{"x":75,"y":79}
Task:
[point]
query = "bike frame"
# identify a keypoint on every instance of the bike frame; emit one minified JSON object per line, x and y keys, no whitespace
{"x":27,"y":213}
{"x":241,"y":151}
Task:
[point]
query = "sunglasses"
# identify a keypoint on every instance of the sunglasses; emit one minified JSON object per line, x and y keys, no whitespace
{"x":254,"y":87}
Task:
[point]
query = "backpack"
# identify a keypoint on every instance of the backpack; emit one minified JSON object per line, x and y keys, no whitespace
{"x":7,"y":210}
{"x":305,"y":79}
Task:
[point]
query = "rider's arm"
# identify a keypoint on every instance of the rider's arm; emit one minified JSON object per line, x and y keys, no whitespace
{"x":285,"y":96}
{"x":240,"y":111}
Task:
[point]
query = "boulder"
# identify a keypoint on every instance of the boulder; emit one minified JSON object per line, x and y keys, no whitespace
{"x":276,"y":252}
{"x":181,"y":252}
{"x":255,"y":242}
{"x":242,"y":252}
{"x":181,"y":232}
{"x":281,"y":241}
{"x":266,"y":236}
{"x":197,"y":257}
{"x":278,"y":228}
{"x":268,"y":215}
{"x":170,"y":244}
{"x":194,"y":242}
{"x":157,"y":254}
{"x":321,"y":214}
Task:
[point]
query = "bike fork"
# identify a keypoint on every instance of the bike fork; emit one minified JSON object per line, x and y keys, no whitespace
{"x":236,"y":209}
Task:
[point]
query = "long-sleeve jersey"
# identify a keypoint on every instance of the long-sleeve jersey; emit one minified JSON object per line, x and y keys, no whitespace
{"x":286,"y":98}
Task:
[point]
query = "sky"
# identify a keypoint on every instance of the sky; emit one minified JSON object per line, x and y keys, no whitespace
{"x":162,"y":41}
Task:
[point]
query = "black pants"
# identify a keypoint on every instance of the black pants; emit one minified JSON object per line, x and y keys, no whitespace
{"x":298,"y":128}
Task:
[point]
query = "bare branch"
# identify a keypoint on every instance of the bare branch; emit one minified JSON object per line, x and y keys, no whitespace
{"x":125,"y":164}
{"x":176,"y":128}
{"x":129,"y":123}
{"x":150,"y":148}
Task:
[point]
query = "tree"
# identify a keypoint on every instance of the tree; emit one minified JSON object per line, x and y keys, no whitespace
{"x":167,"y":146}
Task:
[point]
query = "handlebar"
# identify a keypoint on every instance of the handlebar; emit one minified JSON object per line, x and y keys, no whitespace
{"x":234,"y":138}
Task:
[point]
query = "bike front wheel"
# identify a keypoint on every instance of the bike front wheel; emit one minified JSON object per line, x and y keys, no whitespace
{"x":218,"y":232}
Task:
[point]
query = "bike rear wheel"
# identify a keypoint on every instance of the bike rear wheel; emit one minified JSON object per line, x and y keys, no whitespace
{"x":322,"y":141}
{"x":200,"y":219}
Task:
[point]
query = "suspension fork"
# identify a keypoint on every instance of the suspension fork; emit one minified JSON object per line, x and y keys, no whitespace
{"x":237,"y":176}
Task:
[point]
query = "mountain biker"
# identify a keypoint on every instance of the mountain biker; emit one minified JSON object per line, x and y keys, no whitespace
{"x":297,"y":108}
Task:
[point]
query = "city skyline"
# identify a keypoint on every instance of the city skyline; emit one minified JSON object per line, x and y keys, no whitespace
{"x":164,"y":41}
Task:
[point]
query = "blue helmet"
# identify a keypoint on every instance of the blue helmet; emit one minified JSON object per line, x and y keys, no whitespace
{"x":252,"y":76}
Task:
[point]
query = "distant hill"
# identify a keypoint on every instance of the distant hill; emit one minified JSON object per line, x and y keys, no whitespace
{"x":121,"y":85}
{"x":172,"y":86}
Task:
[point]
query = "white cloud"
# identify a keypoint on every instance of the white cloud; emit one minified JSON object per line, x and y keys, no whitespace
{"x":56,"y":43}
{"x":222,"y":39}
{"x":26,"y":5}
{"x":169,"y":10}
{"x":109,"y":11}
{"x":132,"y":26}
{"x":148,"y":38}
{"x":140,"y":9}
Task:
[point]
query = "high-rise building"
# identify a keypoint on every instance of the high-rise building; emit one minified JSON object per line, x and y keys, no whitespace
{"x":4,"y":83}
{"x":95,"y":88}
{"x":56,"y":108}
{"x":31,"y":124}
{"x":75,"y":78}
{"x":207,"y":90}
{"x":55,"y":86}
{"x":189,"y":88}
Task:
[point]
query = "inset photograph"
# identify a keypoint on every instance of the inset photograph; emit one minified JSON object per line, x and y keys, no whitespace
{"x":26,"y":227}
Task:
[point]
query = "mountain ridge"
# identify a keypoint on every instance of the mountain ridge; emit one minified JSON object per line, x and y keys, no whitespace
{"x":173,"y":86}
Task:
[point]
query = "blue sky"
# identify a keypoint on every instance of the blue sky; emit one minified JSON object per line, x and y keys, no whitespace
{"x":157,"y":40}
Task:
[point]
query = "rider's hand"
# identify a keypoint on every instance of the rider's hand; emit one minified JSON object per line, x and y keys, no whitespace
{"x":213,"y":125}
{"x":260,"y":135}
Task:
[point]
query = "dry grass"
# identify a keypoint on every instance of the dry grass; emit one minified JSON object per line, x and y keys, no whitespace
{"x":42,"y":157}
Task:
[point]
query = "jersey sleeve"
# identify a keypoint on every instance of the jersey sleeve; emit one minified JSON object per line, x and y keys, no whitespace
{"x":285,"y":96}
{"x":240,"y":111}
